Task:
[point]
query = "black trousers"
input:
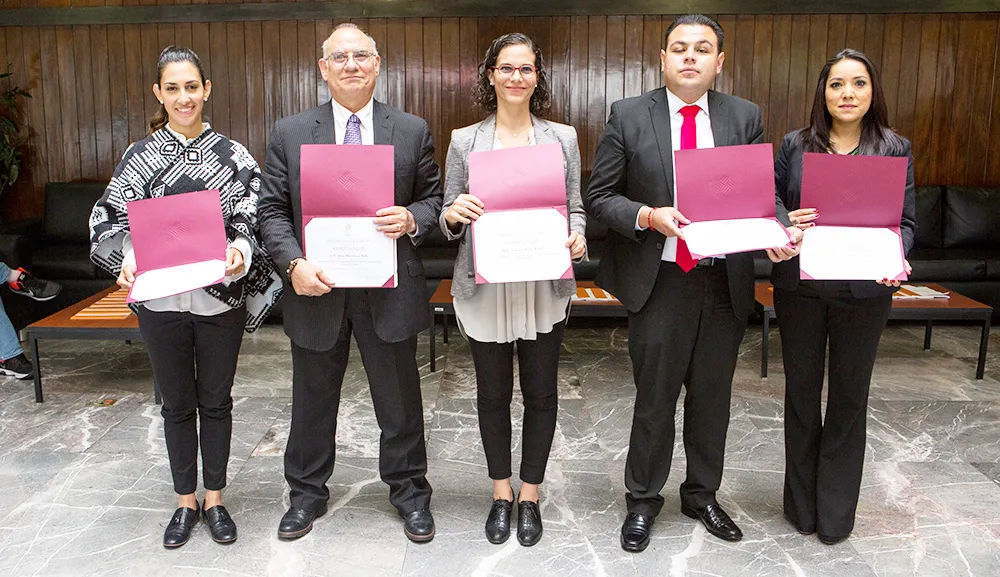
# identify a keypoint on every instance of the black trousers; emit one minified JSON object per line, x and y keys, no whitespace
{"x":317,"y":377}
{"x":538,"y":368}
{"x":194,"y":363}
{"x":824,"y":457}
{"x":686,"y":334}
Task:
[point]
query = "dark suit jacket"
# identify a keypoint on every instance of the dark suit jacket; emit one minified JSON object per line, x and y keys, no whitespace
{"x":788,"y":193}
{"x":397,"y":314}
{"x":633,"y":167}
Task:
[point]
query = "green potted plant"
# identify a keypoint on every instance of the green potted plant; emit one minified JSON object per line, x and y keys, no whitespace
{"x":10,"y":135}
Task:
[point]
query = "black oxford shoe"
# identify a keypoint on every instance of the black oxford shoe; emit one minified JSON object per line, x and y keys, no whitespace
{"x":716,"y":521}
{"x":418,"y":525}
{"x":529,"y":523}
{"x":298,"y":522}
{"x":220,"y":524}
{"x":498,"y":521}
{"x":635,"y":532}
{"x":178,"y":531}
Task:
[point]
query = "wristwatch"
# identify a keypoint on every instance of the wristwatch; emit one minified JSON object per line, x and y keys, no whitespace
{"x":291,"y":266}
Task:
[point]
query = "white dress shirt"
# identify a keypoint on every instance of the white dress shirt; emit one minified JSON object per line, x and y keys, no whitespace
{"x":197,"y":301}
{"x":703,"y":130}
{"x":341,"y":115}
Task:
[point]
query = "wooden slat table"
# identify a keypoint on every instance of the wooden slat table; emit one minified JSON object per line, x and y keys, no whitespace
{"x":955,"y":308}
{"x":61,"y":325}
{"x":441,"y":304}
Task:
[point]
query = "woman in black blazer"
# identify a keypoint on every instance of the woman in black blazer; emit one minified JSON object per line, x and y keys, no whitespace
{"x":824,"y":458}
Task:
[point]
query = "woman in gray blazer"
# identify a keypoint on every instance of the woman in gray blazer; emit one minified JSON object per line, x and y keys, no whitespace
{"x":513,"y":90}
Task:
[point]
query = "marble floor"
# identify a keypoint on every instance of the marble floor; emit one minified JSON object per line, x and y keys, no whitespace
{"x":85,"y":488}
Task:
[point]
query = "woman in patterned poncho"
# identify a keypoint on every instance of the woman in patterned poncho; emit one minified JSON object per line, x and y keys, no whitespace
{"x":193,"y":338}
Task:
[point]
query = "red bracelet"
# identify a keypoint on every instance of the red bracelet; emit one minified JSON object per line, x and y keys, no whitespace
{"x":649,"y":219}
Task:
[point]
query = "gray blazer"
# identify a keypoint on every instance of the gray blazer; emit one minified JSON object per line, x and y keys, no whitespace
{"x":479,"y":137}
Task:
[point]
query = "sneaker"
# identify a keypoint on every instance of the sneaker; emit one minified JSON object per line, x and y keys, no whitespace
{"x":18,"y":367}
{"x":34,"y":287}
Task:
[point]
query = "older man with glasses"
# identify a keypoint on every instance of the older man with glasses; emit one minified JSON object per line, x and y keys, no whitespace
{"x":319,"y":317}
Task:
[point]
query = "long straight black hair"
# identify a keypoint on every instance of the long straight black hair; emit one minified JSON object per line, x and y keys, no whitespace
{"x":877,"y":138}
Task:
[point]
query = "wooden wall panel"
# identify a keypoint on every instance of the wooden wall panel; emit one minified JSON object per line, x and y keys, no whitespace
{"x":92,"y":97}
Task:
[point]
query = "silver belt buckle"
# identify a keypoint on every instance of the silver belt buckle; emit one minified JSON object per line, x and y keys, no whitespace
{"x":706,"y":262}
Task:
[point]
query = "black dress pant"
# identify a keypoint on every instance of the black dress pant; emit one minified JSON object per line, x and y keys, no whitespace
{"x":538,"y":364}
{"x":194,"y":363}
{"x":394,"y":380}
{"x":824,"y":457}
{"x":686,"y":334}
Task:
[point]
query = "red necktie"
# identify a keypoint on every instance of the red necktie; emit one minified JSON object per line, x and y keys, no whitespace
{"x":689,"y":140}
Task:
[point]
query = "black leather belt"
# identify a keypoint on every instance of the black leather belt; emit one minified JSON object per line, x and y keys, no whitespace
{"x":710,"y":261}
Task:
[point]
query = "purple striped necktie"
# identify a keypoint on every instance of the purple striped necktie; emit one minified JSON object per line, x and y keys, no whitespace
{"x":353,"y":133}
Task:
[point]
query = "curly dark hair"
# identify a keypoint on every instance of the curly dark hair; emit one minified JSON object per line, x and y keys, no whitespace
{"x":484,"y":95}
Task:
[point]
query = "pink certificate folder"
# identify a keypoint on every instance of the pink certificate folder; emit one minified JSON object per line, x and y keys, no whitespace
{"x":346,"y":181}
{"x":729,"y":183}
{"x":180,"y":230}
{"x":725,"y":183}
{"x":339,"y":180}
{"x":521,"y":178}
{"x":849,"y":190}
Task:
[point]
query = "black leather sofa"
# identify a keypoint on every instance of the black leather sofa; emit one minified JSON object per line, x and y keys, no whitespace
{"x":57,"y":248}
{"x":958,"y":241}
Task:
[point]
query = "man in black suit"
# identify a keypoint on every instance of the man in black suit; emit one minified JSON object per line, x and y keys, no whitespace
{"x":319,"y":317}
{"x":685,"y":324}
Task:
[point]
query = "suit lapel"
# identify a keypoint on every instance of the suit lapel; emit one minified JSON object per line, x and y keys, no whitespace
{"x":382,"y":123}
{"x":324,"y":129}
{"x":659,"y":113}
{"x":719,"y":115}
{"x":543,"y":134}
{"x":483,"y":139}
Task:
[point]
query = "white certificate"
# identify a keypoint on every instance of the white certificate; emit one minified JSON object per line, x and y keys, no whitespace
{"x":719,"y":237}
{"x":850,"y":253}
{"x":351,"y":252}
{"x":174,"y":280}
{"x":521,"y":245}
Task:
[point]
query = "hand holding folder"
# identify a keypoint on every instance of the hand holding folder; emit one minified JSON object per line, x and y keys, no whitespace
{"x":342,"y":189}
{"x":728,"y":194}
{"x":860,"y":200}
{"x":522,"y":234}
{"x":179,"y":243}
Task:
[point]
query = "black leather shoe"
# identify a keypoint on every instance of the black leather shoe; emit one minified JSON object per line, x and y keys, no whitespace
{"x":716,"y":521}
{"x":178,"y":531}
{"x":298,"y":522}
{"x":498,"y":521}
{"x":828,"y":540}
{"x":635,"y":532}
{"x":529,"y":523}
{"x":418,"y":525}
{"x":220,"y":524}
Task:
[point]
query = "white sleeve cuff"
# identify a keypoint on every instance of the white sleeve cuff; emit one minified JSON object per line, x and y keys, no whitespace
{"x":128,"y":252}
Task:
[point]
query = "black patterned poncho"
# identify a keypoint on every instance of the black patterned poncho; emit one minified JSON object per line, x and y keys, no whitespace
{"x":159,"y":165}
